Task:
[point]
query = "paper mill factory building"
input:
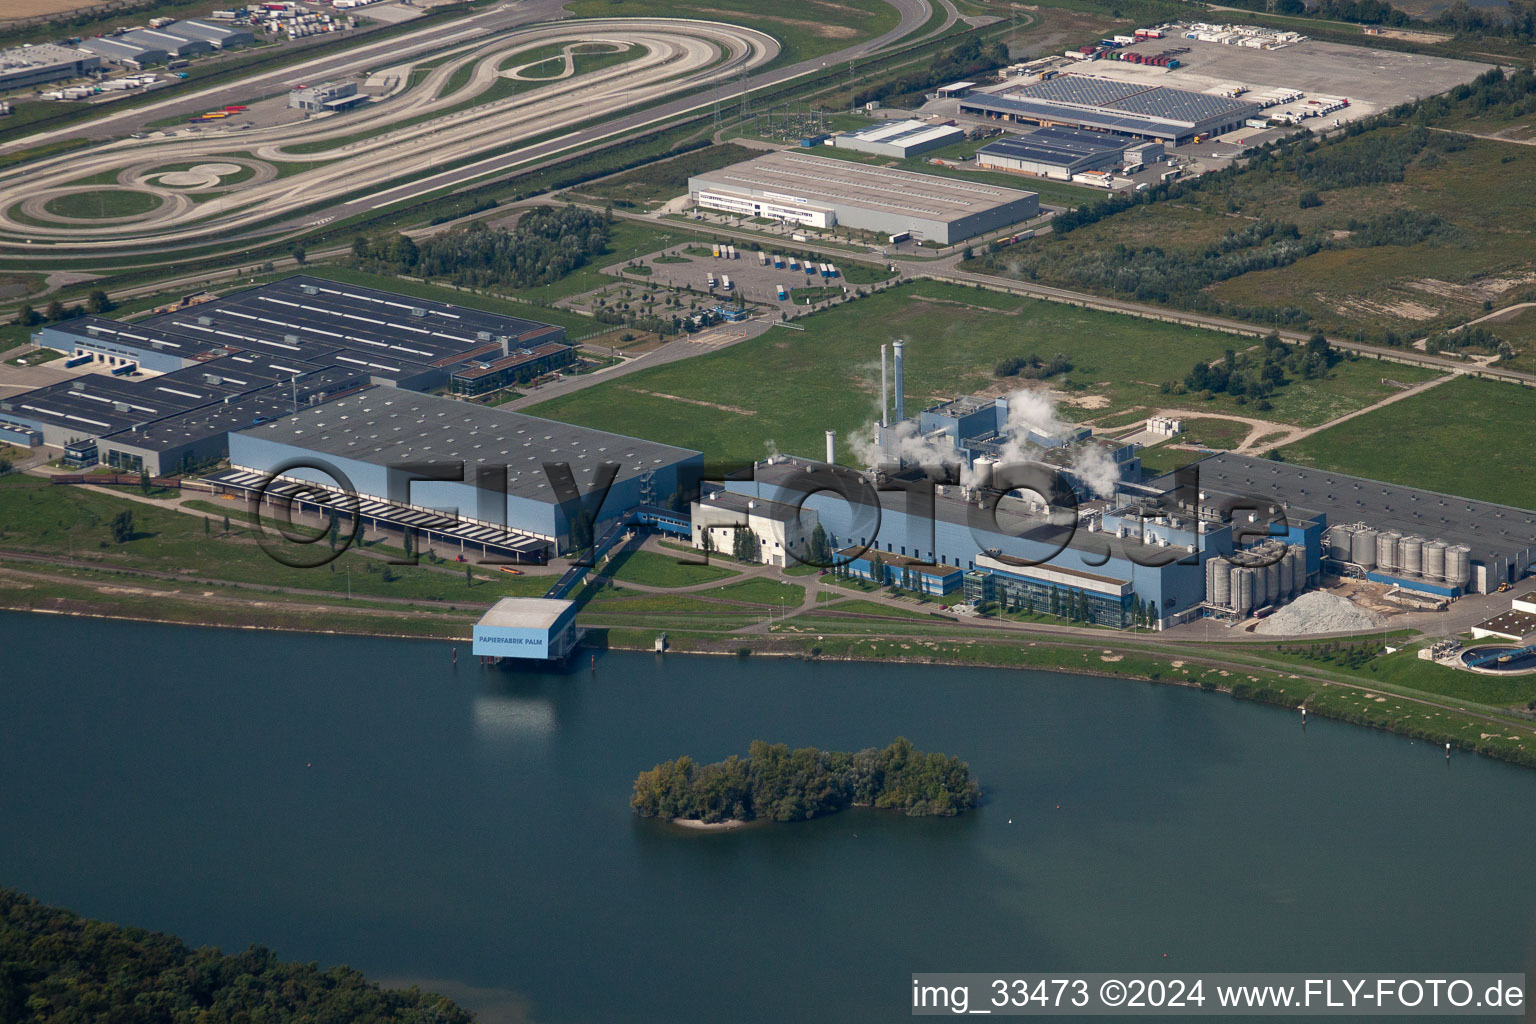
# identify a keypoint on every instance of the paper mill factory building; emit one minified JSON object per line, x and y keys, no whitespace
{"x":493,"y":468}
{"x":823,"y":193}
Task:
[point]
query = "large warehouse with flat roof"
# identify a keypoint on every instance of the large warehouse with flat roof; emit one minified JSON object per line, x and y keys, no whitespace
{"x":824,"y":193}
{"x":1109,"y":105}
{"x":899,"y":138}
{"x":492,"y":467}
{"x":1057,"y":152}
{"x":308,"y":338}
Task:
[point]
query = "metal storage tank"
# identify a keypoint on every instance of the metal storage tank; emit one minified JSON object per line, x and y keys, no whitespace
{"x":1222,"y":593}
{"x":983,"y":466}
{"x":1272,"y":592}
{"x":1458,"y":564}
{"x":1434,"y":560}
{"x":1364,"y":546}
{"x":1410,"y":552}
{"x":1298,"y":556}
{"x":1242,"y":591}
{"x":1287,"y":569}
{"x":1340,"y":547}
{"x":1386,"y":550}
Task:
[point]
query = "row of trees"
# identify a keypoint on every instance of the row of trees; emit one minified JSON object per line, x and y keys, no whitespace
{"x":546,"y":244}
{"x":1258,"y":375}
{"x":55,"y":311}
{"x":1517,"y":22}
{"x":969,"y":58}
{"x":1032,"y":366}
{"x":1469,"y":339}
{"x":779,"y":784}
{"x":58,"y":967}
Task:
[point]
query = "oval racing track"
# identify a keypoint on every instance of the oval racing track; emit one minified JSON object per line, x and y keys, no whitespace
{"x":408,"y":135}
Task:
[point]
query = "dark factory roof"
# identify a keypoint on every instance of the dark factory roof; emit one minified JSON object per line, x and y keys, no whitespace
{"x":1113,"y":105}
{"x":385,"y":334}
{"x":389,"y":427}
{"x":1056,"y":145}
{"x":269,"y":403}
{"x":1488,"y":529}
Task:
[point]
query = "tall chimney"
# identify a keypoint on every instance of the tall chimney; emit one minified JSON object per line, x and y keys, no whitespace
{"x":831,"y":446}
{"x":901,"y":399}
{"x":885,"y":392}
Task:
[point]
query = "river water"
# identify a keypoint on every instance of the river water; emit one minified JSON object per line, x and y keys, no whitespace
{"x":367,"y":802}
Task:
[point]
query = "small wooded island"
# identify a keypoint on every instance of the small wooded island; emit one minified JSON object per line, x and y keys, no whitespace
{"x":778,"y":784}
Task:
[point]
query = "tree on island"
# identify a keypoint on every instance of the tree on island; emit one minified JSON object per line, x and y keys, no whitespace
{"x":779,"y":784}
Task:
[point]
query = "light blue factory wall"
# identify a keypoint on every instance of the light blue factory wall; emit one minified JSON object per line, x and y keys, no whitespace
{"x":147,"y":357}
{"x":463,"y":498}
{"x":1171,"y":587}
{"x":505,"y":642}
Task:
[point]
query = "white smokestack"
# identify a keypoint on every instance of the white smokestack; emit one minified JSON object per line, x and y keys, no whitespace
{"x":901,"y":391}
{"x":885,"y":392}
{"x":831,"y":446}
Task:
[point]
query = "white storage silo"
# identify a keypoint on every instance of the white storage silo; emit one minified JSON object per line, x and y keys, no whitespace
{"x":1386,"y":550}
{"x":984,"y":466}
{"x":1287,"y":575}
{"x":1363,"y":544}
{"x":1242,"y":591}
{"x":1458,"y":564}
{"x":1298,"y":559}
{"x":1410,"y":551}
{"x":1340,"y":548}
{"x":1434,"y":560}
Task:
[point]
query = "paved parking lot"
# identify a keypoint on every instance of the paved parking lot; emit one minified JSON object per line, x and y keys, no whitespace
{"x":750,"y":279}
{"x":1372,"y":80}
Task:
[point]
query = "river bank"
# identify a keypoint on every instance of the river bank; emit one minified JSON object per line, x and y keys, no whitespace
{"x":1358,"y":702}
{"x":361,"y":801}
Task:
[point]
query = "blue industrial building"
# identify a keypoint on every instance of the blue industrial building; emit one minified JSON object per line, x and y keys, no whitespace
{"x":530,"y":628}
{"x":486,"y":466}
{"x":1143,"y":549}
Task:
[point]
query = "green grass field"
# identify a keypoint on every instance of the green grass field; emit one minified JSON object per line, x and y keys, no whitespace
{"x":103,"y":203}
{"x":74,"y":522}
{"x":626,"y":241}
{"x":652,"y":569}
{"x":653,"y":184}
{"x":1467,"y":437}
{"x":1208,"y":433}
{"x":785,"y":387}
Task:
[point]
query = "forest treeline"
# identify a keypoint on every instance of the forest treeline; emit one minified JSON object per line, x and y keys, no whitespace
{"x":1517,"y":21}
{"x":780,"y":784}
{"x":59,"y":968}
{"x":970,"y":57}
{"x":546,"y":244}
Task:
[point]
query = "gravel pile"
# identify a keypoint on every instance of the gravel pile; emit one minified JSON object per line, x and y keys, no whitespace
{"x":1319,"y":612}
